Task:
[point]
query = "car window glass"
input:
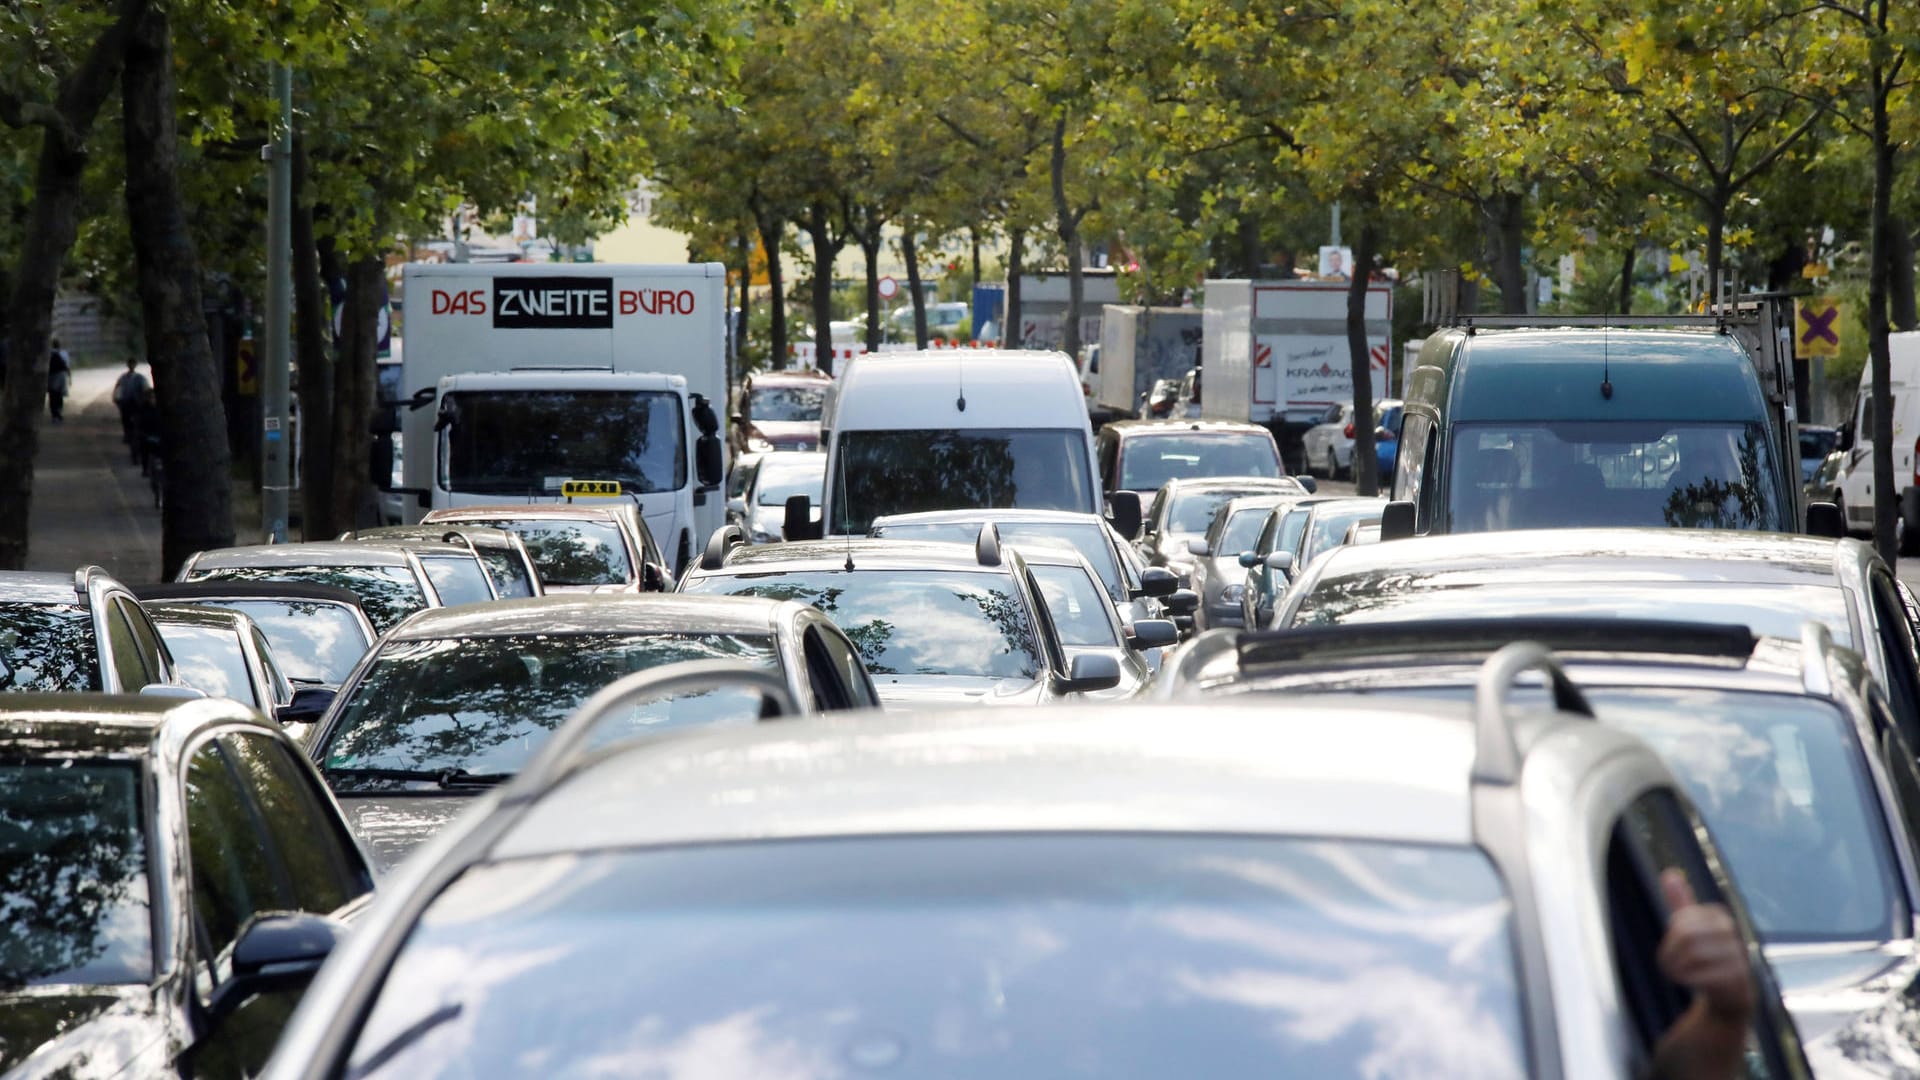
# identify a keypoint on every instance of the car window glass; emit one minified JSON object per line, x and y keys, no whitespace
{"x":1411,"y":462}
{"x":74,"y":901}
{"x":1898,"y":758}
{"x":48,"y":647}
{"x":846,"y":661}
{"x":269,"y":663}
{"x":1896,"y":642}
{"x":324,"y":871}
{"x":124,"y":649}
{"x":507,"y":572}
{"x":1080,"y":612}
{"x":153,"y":654}
{"x":233,"y":878}
{"x":457,"y":579}
{"x":313,"y":641}
{"x":210,"y":661}
{"x":822,"y":679}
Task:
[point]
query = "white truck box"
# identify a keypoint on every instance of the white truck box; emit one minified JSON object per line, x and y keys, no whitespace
{"x":1044,"y":299}
{"x":1275,"y":353}
{"x":542,"y":326}
{"x":1139,"y":346}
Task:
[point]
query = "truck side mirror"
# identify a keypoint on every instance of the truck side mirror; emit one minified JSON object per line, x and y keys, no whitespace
{"x":703,"y":417}
{"x":798,"y":523}
{"x":1123,"y":509}
{"x":380,"y":462}
{"x":1825,"y":519}
{"x":1396,"y":521}
{"x":707,"y":461}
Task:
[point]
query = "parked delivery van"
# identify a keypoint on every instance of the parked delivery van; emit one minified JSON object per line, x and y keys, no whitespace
{"x":1856,"y":474}
{"x":541,"y":382}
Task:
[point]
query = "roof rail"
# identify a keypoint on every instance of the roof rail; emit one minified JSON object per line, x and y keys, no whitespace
{"x":1816,"y":641}
{"x":455,"y":536}
{"x":1496,"y":758}
{"x":80,"y":579}
{"x":987,"y":548}
{"x":724,"y":539}
{"x":1319,"y":644}
{"x":1718,"y":321}
{"x":569,"y":744}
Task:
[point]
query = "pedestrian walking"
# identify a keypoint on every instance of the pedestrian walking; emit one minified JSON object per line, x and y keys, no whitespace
{"x":59,"y":376}
{"x":127,"y":392}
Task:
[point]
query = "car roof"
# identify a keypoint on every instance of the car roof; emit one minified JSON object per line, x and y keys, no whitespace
{"x":648,"y":613}
{"x":118,"y":725}
{"x":194,"y":591}
{"x":1007,"y":516}
{"x":867,"y":553}
{"x":1554,"y":374}
{"x":1053,"y":553}
{"x":1251,"y":485}
{"x":1694,"y":555}
{"x":38,"y":587}
{"x":480,"y":535}
{"x":793,"y":459}
{"x":794,"y":376}
{"x":185,"y":614}
{"x":526,"y":511}
{"x":1348,"y":768}
{"x":1137,"y":428}
{"x":317,"y":553}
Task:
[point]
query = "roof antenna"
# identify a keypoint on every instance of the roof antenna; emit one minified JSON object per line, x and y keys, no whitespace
{"x":1606,"y":361}
{"x":843,"y":516}
{"x":960,"y":365}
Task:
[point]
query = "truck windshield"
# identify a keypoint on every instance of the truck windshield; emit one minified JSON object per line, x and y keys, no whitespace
{"x":522,"y":442}
{"x":906,"y":472}
{"x":1569,"y":474}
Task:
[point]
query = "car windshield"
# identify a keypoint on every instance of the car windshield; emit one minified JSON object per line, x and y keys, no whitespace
{"x":908,"y":472}
{"x":778,"y":483}
{"x":572,"y":552}
{"x":1554,"y":475}
{"x":387,"y":593}
{"x":1818,"y":444}
{"x":485,"y":705}
{"x":792,"y":404}
{"x":1242,"y":530}
{"x":1149,"y":461}
{"x":524,"y":442}
{"x":1081,"y":613}
{"x":1392,"y":595}
{"x":313,"y":642}
{"x":1330,"y":524}
{"x":1783,"y":786}
{"x":47,"y":647}
{"x":909,"y":622}
{"x":209,"y":658}
{"x":73,"y":876}
{"x":1088,"y":539}
{"x":1004,"y":957}
{"x":459,"y":579}
{"x":1192,"y":511}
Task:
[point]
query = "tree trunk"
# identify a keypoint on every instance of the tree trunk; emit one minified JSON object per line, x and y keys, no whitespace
{"x":870,"y":251}
{"x":1886,"y":501}
{"x":1715,"y":211}
{"x":52,"y":223}
{"x":1626,"y":279}
{"x":744,"y":245}
{"x":356,"y":380}
{"x":1016,"y":258}
{"x":820,"y":230}
{"x":973,"y":236}
{"x":1903,"y":311}
{"x":910,"y":251}
{"x":1067,"y":223}
{"x":312,"y":339}
{"x":1509,"y":240}
{"x":771,"y":230}
{"x":1366,"y":477}
{"x":1248,"y":233}
{"x":197,"y":511}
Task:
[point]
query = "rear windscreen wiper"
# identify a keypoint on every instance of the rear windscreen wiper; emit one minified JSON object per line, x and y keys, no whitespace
{"x":449,"y":779}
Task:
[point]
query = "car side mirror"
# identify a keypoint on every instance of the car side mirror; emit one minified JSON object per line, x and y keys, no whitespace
{"x":1198,"y":546}
{"x":278,"y":951}
{"x":1089,"y":672}
{"x":1309,"y":483}
{"x":1123,"y":509}
{"x":1825,"y":519}
{"x":1396,"y":521}
{"x":1249,"y":559}
{"x":655,"y":578}
{"x":1153,"y":634}
{"x":309,"y":704}
{"x":1281,"y":561}
{"x":707,"y":460}
{"x":1383,"y":435}
{"x":1158,"y":581}
{"x":1183,"y":602}
{"x":798,"y":522}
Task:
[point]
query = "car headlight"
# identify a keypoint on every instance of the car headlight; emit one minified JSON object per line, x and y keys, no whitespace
{"x":758,"y":445}
{"x":1232,"y":593}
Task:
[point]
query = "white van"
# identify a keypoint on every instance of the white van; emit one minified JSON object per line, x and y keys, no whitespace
{"x":1856,"y":476}
{"x":956,"y":429}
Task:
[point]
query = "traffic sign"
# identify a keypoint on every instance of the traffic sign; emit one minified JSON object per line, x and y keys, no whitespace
{"x":1817,"y":328}
{"x":889,"y":288}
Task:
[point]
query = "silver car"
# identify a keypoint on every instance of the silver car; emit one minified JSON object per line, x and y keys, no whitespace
{"x":1335,"y":887}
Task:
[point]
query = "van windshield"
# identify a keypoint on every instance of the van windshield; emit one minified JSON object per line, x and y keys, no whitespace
{"x":523,"y":442}
{"x":907,"y":472}
{"x":1509,"y":475}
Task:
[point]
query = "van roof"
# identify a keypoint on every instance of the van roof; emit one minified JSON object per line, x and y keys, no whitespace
{"x":909,"y":391}
{"x":1556,"y":374}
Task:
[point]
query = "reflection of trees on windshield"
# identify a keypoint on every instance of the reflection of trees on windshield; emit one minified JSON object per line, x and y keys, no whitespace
{"x":387,"y":593}
{"x":313,"y":642}
{"x":786,"y":404}
{"x":486,"y":704}
{"x":573,"y":552}
{"x":909,"y":623}
{"x":1713,"y":502}
{"x":514,"y":442}
{"x":47,"y":647}
{"x":73,"y":876}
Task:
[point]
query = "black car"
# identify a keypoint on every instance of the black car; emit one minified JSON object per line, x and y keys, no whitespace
{"x":171,"y":873}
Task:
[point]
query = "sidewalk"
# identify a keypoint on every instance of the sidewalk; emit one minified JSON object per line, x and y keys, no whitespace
{"x":90,"y":503}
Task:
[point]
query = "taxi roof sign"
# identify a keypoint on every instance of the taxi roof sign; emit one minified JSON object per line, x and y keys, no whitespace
{"x":595,"y":489}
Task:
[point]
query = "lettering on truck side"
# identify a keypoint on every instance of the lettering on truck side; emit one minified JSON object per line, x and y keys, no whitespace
{"x":552,"y":303}
{"x":656,"y":301}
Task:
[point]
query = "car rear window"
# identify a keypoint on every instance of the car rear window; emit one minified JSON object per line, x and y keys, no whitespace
{"x":387,"y":593}
{"x":313,"y":642}
{"x":48,"y":647}
{"x":73,"y":876}
{"x":571,"y":552}
{"x":962,"y":956}
{"x":1149,"y":461}
{"x":209,"y":659}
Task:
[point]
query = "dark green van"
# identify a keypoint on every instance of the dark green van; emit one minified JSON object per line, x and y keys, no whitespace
{"x":1591,"y":426}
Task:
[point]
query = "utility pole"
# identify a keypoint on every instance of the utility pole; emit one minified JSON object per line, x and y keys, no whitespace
{"x":275,"y":446}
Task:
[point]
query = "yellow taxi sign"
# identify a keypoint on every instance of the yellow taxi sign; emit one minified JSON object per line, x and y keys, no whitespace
{"x":597,"y":489}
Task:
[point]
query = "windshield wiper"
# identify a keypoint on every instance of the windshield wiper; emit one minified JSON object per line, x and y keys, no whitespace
{"x":454,"y":779}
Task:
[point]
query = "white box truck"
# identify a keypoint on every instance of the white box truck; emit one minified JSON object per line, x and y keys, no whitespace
{"x":1275,"y":353}
{"x":520,"y":378}
{"x":1138,"y":347}
{"x":1045,"y":298}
